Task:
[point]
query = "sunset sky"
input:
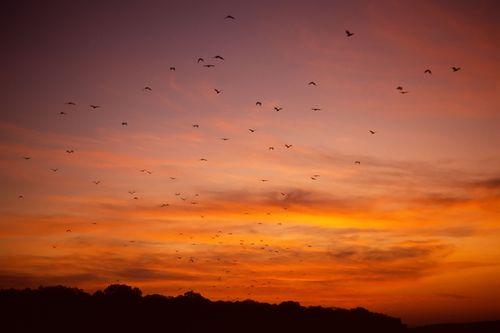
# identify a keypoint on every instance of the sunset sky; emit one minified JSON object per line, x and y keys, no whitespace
{"x":412,"y":231}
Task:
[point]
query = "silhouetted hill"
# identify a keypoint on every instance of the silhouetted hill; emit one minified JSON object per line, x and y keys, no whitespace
{"x":120,"y":308}
{"x":479,"y":327}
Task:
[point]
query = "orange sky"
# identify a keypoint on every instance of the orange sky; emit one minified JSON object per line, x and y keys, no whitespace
{"x":412,"y":231}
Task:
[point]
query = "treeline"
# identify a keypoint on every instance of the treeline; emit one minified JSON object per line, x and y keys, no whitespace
{"x":476,"y":327}
{"x":121,"y":308}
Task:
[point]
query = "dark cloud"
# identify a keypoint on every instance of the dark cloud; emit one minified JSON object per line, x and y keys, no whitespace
{"x":440,"y":200}
{"x":328,"y":231}
{"x":492,"y":183}
{"x":388,"y":254}
{"x":295,"y":197}
{"x":94,"y":269}
{"x":21,"y":280}
{"x":146,"y":274}
{"x":458,"y":232}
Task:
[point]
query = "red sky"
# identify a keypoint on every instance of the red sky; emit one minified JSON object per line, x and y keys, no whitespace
{"x":412,"y":231}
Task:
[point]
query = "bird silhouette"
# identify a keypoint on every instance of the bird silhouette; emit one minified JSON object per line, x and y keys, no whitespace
{"x":288,"y":146}
{"x":258,"y":103}
{"x":348,"y":33}
{"x":217,"y":91}
{"x":70,"y":103}
{"x":225,"y":139}
{"x":147,"y":88}
{"x":230,"y":17}
{"x":62,"y":113}
{"x":357,"y":162}
{"x":70,"y":151}
{"x":208,"y":65}
{"x":251,"y":130}
{"x":271,"y":148}
{"x":146,"y":171}
{"x":20,"y":197}
{"x":172,"y":68}
{"x":456,"y":69}
{"x":124,"y":123}
{"x":399,"y":88}
{"x":404,"y":92}
{"x":97,"y":182}
{"x":68,"y":230}
{"x":94,"y":106}
{"x":27,"y":157}
{"x":54,"y":170}
{"x":264,"y":180}
{"x":164,"y":205}
{"x":427,"y":71}
{"x":312,"y":83}
{"x":172,"y":178}
{"x":219,"y":57}
{"x":372,"y":132}
{"x":132,"y":192}
{"x":316,"y":109}
{"x":196,"y":125}
{"x":200,"y":60}
{"x":277,"y":108}
{"x":203,"y":159}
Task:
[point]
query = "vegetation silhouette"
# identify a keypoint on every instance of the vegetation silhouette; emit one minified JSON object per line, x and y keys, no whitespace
{"x":475,"y":327}
{"x":121,"y":308}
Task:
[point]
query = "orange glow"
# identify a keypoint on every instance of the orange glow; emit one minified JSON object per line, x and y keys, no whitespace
{"x":412,"y":231}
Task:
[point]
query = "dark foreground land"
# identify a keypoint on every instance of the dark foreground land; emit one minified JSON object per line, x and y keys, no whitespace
{"x":120,"y":308}
{"x":479,"y":327}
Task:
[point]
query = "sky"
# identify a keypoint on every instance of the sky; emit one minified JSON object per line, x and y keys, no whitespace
{"x":413,"y":230}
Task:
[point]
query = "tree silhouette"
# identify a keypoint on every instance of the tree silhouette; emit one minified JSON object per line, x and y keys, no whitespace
{"x":121,"y":308}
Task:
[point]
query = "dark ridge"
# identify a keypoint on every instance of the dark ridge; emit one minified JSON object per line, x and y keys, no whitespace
{"x":476,"y":327}
{"x":121,"y":308}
